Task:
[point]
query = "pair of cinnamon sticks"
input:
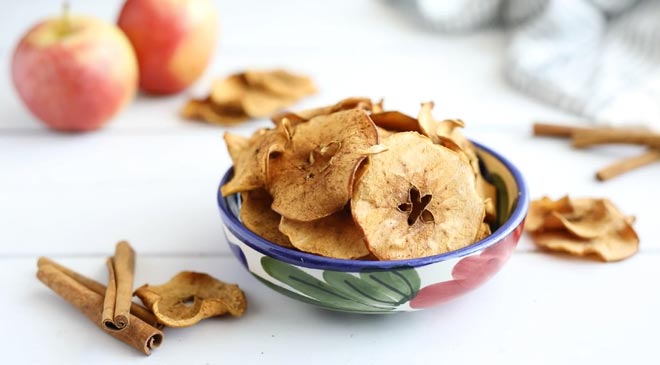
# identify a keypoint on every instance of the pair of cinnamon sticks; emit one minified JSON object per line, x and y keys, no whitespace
{"x":111,"y":307}
{"x":587,"y":137}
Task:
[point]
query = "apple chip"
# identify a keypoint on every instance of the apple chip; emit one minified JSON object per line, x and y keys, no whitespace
{"x":260,"y":104}
{"x":292,"y":118}
{"x":250,"y":94}
{"x":333,"y":236}
{"x":229,"y":91}
{"x":377,"y":107}
{"x":206,"y":111}
{"x":541,"y":217}
{"x":383,"y":133}
{"x":313,"y":177}
{"x":190,"y":297}
{"x":582,"y":227}
{"x":342,"y":105}
{"x":281,"y":82}
{"x":448,"y":133}
{"x":416,"y":199}
{"x":251,"y":158}
{"x":484,"y":231}
{"x":257,"y":216}
{"x":236,"y":144}
{"x":396,"y":121}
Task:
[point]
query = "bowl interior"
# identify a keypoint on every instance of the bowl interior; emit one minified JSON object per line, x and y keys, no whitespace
{"x":513,"y":200}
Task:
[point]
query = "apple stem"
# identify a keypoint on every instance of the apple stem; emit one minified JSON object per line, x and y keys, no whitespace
{"x":66,"y":22}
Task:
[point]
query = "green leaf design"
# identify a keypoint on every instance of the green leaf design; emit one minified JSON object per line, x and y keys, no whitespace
{"x":357,"y":289}
{"x":502,"y":199}
{"x":302,"y":298}
{"x":369,"y":292}
{"x":400,"y":285}
{"x":311,"y":286}
{"x":288,"y":293}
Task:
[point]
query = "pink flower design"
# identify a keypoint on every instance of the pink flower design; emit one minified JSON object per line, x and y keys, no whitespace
{"x":469,"y":273}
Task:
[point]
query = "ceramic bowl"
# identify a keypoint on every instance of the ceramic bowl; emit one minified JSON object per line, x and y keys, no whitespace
{"x":385,"y":286}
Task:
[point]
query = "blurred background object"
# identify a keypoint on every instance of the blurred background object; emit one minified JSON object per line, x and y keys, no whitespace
{"x":599,"y":59}
{"x":173,"y":41}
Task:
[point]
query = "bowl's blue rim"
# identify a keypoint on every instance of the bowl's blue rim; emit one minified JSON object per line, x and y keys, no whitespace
{"x":325,"y":263}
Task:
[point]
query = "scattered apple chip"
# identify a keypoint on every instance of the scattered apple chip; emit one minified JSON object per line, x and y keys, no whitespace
{"x":313,"y":177}
{"x":333,"y":236}
{"x":582,"y":227}
{"x":229,"y":91}
{"x":416,"y":199}
{"x":190,"y":297}
{"x":257,"y":216}
{"x":541,"y":217}
{"x":281,"y":82}
{"x":207,"y":111}
{"x":246,"y":95}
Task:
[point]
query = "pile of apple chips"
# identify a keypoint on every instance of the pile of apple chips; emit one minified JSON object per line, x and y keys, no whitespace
{"x":582,"y":227}
{"x":249,"y":94}
{"x":352,"y":181}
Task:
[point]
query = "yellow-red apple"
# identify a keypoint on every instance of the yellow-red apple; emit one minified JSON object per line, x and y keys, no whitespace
{"x":173,"y":40}
{"x":74,"y":72}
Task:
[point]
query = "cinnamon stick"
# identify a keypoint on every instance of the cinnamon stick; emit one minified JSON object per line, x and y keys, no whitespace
{"x":628,"y":164}
{"x":555,"y":130}
{"x":119,"y":293}
{"x":137,"y":310}
{"x":586,"y":138}
{"x":139,"y":334}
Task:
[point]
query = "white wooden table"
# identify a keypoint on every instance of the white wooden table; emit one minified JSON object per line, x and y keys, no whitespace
{"x":151,"y":178}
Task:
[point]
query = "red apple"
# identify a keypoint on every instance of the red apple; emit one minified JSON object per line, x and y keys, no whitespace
{"x":173,"y":40}
{"x":74,"y":72}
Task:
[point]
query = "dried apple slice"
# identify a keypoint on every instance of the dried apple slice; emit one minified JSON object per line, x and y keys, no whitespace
{"x":396,"y":121}
{"x":293,"y":118}
{"x":333,"y":236}
{"x":582,"y":227}
{"x":588,"y":218}
{"x":257,"y":216}
{"x":448,"y":133}
{"x":416,"y":199}
{"x":206,"y":111}
{"x":281,"y":82}
{"x":540,"y":211}
{"x":250,"y":94}
{"x":236,"y":144}
{"x":383,"y":133}
{"x":260,"y":103}
{"x":484,"y":231}
{"x":229,"y":91}
{"x":313,"y":177}
{"x":377,"y":107}
{"x":342,"y":105}
{"x":251,"y":159}
{"x":190,"y":297}
{"x":613,"y":246}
